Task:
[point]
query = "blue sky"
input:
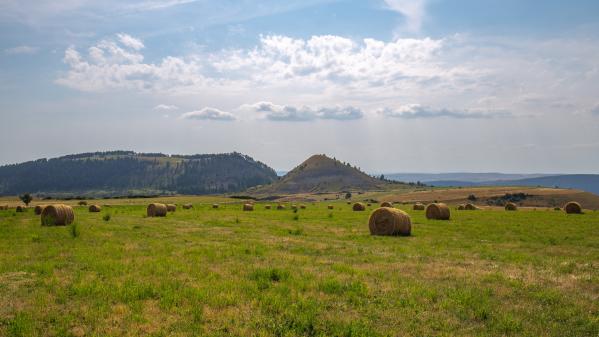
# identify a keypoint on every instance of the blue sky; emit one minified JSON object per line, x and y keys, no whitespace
{"x":391,"y":85}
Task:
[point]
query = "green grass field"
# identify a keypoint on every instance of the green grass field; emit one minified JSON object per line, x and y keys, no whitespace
{"x":317,"y":272}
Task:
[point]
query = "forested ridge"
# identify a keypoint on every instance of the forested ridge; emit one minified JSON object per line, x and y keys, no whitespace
{"x":118,"y":172}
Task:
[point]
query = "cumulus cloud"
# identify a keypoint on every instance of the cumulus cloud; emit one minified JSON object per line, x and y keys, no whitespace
{"x":415,"y":111}
{"x":131,"y":42}
{"x":166,"y":107}
{"x":21,"y":50}
{"x":209,"y":114}
{"x":291,"y":113}
{"x":412,"y":10}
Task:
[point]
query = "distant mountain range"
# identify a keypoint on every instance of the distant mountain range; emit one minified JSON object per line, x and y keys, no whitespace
{"x":127,"y":172}
{"x":585,"y":182}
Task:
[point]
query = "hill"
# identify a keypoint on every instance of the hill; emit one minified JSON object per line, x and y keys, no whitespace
{"x":320,"y":173}
{"x":127,"y":172}
{"x":585,"y":182}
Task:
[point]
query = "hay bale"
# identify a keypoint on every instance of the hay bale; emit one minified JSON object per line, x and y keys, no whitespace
{"x":57,"y":215}
{"x":38,"y":209}
{"x":20,"y":209}
{"x":510,"y":206}
{"x":470,"y":207}
{"x":215,"y":205}
{"x":386,"y":204}
{"x":418,"y":207}
{"x":460,"y":207}
{"x":437,"y":211}
{"x":248,"y":207}
{"x":573,"y":208}
{"x":368,"y":204}
{"x":330,"y":207}
{"x":156,"y":209}
{"x":280,"y":206}
{"x":187,"y":206}
{"x":294,"y":207}
{"x":358,"y":206}
{"x":349,"y":202}
{"x":389,"y":221}
{"x":95,"y":208}
{"x":303,"y":206}
{"x":557,"y":209}
{"x":267,"y":207}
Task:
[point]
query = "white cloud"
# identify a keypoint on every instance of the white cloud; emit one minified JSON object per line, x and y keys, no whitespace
{"x":209,"y":114}
{"x":166,"y":107}
{"x":131,"y":42}
{"x":29,"y":50}
{"x":303,"y":113}
{"x":412,"y":10}
{"x":414,"y":111}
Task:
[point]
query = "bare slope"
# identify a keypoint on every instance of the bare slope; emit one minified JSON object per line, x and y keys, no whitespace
{"x":320,"y":173}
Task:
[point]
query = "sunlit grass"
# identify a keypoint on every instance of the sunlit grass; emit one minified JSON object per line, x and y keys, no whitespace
{"x":316,"y":272}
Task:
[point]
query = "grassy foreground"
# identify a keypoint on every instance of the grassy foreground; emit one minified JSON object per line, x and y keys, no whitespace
{"x":317,"y":272}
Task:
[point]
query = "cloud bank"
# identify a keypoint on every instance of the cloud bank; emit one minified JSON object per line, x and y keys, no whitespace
{"x":209,"y":114}
{"x":416,"y":111}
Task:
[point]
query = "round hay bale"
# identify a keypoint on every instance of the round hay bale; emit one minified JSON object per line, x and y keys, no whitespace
{"x":349,"y":202}
{"x":510,"y":206}
{"x":267,"y":207}
{"x":573,"y":208}
{"x":386,"y":204}
{"x":248,"y":207}
{"x":358,"y":206}
{"x":20,"y":209}
{"x":187,"y":206}
{"x":389,"y":221}
{"x":303,"y":206}
{"x":470,"y":207}
{"x":57,"y":215}
{"x":460,"y":207}
{"x":418,"y":207}
{"x":38,"y":209}
{"x":330,"y":207}
{"x":156,"y":209}
{"x":95,"y":208}
{"x":280,"y":206}
{"x":171,"y":207}
{"x":215,"y":205}
{"x":368,"y":204}
{"x":82,"y":203}
{"x":437,"y":211}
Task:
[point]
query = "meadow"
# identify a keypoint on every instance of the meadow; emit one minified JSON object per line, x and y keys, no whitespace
{"x":314,"y":272}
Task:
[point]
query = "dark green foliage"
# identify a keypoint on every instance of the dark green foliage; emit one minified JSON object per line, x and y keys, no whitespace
{"x":26,"y":198}
{"x":119,"y":172}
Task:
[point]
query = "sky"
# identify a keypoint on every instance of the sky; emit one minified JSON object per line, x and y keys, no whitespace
{"x":388,"y":85}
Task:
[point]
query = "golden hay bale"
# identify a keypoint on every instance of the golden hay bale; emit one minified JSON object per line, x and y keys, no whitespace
{"x":437,"y":211}
{"x":187,"y":206}
{"x":57,"y":215}
{"x":386,"y":204}
{"x":248,"y":207}
{"x":95,"y":208}
{"x":171,"y":207}
{"x":330,"y":207}
{"x":215,"y":205}
{"x":157,"y":209}
{"x":418,"y":207}
{"x":267,"y":207}
{"x":358,"y":206}
{"x":280,"y":206}
{"x":38,"y":209}
{"x":303,"y":206}
{"x":389,"y":221}
{"x":510,"y":206}
{"x":20,"y":209}
{"x":470,"y":207}
{"x":573,"y":208}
